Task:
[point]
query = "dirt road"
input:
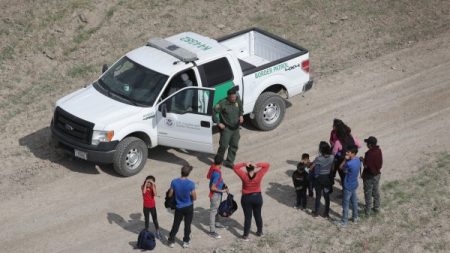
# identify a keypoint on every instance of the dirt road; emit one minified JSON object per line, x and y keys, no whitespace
{"x":402,"y":98}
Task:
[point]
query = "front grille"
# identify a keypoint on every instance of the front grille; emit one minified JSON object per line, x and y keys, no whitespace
{"x":73,"y":127}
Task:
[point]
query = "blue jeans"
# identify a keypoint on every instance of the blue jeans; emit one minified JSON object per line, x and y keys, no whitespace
{"x":349,"y":196}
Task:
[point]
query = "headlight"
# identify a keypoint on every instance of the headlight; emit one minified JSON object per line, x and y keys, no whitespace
{"x":101,"y":136}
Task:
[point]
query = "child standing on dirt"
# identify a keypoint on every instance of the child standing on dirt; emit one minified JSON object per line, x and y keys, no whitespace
{"x":307,"y":163}
{"x":148,"y":194}
{"x":301,"y":182}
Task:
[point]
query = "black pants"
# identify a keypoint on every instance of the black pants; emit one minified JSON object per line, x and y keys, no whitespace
{"x":341,"y":173}
{"x":186,"y":213}
{"x":301,"y":198}
{"x":147,"y":212}
{"x":326,"y":194}
{"x":252,"y":204}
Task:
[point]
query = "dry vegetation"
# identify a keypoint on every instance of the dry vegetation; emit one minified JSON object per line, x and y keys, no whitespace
{"x":413,"y":209}
{"x":49,"y":48}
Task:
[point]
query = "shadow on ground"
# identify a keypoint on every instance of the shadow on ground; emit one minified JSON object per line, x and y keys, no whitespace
{"x":201,"y":221}
{"x":134,"y":225}
{"x":39,"y":143}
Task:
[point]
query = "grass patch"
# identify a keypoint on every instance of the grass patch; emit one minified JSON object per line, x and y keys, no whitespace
{"x":7,"y":53}
{"x":85,"y":34}
{"x":80,"y":70}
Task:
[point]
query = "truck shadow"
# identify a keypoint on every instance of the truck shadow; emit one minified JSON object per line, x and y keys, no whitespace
{"x":40,"y":146}
{"x":163,"y":154}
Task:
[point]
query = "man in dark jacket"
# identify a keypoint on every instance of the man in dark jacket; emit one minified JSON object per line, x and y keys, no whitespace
{"x":300,"y":180}
{"x":373,"y":161}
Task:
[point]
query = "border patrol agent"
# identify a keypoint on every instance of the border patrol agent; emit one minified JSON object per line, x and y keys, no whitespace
{"x":228,"y":114}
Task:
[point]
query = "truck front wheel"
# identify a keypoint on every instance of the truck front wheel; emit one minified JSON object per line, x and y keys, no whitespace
{"x":130,"y":157}
{"x":269,"y":111}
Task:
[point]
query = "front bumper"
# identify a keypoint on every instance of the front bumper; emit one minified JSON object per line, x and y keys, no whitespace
{"x":103,"y":153}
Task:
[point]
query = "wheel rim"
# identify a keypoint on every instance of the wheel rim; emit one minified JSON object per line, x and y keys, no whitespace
{"x":271,"y":113}
{"x":133,"y":158}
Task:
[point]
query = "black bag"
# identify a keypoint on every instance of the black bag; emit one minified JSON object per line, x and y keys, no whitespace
{"x":170,"y":202}
{"x":146,"y":240}
{"x":228,"y":206}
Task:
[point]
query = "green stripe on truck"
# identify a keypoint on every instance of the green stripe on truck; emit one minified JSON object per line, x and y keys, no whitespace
{"x":221,"y":91}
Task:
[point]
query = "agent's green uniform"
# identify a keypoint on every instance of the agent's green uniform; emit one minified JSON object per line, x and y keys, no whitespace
{"x":228,"y":113}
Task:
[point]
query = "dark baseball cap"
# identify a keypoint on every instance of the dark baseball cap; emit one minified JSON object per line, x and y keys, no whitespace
{"x":371,"y":140}
{"x":233,"y":90}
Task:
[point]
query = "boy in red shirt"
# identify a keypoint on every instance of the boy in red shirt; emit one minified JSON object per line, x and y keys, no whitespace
{"x":148,"y":194}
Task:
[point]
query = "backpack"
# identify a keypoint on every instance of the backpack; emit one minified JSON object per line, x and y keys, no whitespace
{"x":170,"y":202}
{"x":227,"y":207}
{"x":146,"y":240}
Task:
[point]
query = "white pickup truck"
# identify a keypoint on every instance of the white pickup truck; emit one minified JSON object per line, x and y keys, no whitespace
{"x":163,"y":94}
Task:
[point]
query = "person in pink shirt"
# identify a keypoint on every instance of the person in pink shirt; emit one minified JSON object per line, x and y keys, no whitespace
{"x":333,"y":136}
{"x":344,"y":139}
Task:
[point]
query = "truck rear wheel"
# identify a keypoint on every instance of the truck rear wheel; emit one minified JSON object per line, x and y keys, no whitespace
{"x":130,"y":157}
{"x":269,"y":111}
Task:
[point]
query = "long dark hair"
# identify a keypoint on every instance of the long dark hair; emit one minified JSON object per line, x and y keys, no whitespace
{"x":147,"y":178}
{"x":343,"y":132}
{"x":249,"y":169}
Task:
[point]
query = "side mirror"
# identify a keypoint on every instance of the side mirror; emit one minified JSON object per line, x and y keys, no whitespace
{"x":104,"y":68}
{"x":164,"y":110}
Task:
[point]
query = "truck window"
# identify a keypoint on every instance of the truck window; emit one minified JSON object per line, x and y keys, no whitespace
{"x":216,"y":72}
{"x":180,"y":81}
{"x":190,"y":101}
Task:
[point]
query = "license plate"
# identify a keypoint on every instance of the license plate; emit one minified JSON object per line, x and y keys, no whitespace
{"x":81,"y":154}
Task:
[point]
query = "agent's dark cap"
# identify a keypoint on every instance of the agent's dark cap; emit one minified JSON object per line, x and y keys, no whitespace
{"x":371,"y":140}
{"x":232,"y":91}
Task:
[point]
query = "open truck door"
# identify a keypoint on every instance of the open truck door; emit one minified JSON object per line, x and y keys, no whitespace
{"x":184,"y":119}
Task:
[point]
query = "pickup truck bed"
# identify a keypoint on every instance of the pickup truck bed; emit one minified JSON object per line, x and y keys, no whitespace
{"x":257,"y":49}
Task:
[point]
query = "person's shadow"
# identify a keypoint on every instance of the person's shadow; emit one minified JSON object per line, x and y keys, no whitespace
{"x":201,"y":221}
{"x":284,"y":194}
{"x":135,"y":225}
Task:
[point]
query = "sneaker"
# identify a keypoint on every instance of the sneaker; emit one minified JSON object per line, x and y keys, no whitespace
{"x":245,"y":238}
{"x":296,"y":207}
{"x":171,"y":244}
{"x":326,"y":216}
{"x":220,"y":225}
{"x":340,"y":224}
{"x":228,"y":164}
{"x":259,"y":234}
{"x":158,"y":235}
{"x":214,"y":235}
{"x":186,"y":245}
{"x":355,"y":220}
{"x":314,"y":214}
{"x":375,"y":211}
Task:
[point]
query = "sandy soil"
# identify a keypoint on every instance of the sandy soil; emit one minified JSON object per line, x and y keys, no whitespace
{"x":402,"y":98}
{"x":382,"y":66}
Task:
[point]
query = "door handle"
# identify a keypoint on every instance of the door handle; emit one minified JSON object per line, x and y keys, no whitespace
{"x":206,"y":124}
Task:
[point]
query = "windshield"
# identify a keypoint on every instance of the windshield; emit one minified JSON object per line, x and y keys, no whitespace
{"x":133,"y":82}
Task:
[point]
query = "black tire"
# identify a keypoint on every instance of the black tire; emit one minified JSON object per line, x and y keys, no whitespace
{"x":269,"y":111}
{"x":127,"y":151}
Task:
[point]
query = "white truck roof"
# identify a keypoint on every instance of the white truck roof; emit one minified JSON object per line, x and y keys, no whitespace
{"x":203,"y":47}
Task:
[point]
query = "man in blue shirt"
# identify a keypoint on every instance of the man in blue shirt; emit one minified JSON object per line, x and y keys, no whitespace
{"x":185,"y":195}
{"x":351,"y":167}
{"x":216,"y":188}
